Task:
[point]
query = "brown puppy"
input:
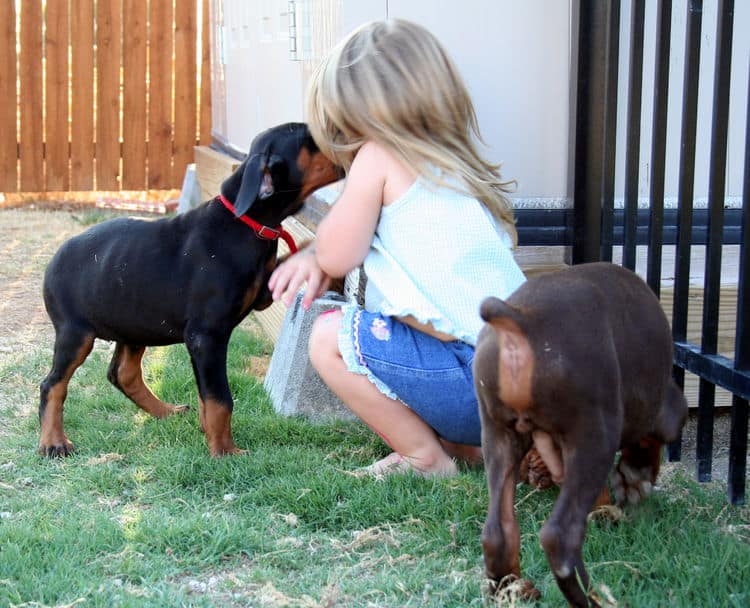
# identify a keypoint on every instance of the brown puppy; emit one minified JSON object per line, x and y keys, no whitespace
{"x":577,"y":364}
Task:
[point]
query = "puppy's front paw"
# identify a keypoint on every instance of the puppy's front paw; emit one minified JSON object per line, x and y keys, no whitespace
{"x":534,"y":471}
{"x":55,"y":449}
{"x":220,"y":451}
{"x":631,"y":484}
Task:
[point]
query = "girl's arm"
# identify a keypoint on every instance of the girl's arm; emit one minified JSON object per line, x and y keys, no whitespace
{"x":343,"y":237}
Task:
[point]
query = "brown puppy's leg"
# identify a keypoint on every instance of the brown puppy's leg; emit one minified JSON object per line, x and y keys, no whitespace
{"x":587,"y":459}
{"x":635,"y":474}
{"x":126,"y":374}
{"x":501,"y":537}
{"x":71,"y":349}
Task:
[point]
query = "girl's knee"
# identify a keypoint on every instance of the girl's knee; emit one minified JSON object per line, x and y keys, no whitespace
{"x":323,"y":342}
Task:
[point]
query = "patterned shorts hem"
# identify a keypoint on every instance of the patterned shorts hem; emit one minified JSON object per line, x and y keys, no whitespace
{"x":348,"y":340}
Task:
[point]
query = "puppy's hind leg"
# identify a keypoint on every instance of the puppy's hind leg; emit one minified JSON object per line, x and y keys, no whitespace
{"x":673,"y":413}
{"x":636,"y":472}
{"x":72,"y":345}
{"x":587,"y":458}
{"x":126,"y":374}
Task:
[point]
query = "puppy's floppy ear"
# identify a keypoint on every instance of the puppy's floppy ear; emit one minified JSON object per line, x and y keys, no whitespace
{"x":262,"y":174}
{"x":251,"y":178}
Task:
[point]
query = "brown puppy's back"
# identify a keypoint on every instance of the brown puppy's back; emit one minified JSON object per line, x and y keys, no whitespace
{"x":589,"y":327}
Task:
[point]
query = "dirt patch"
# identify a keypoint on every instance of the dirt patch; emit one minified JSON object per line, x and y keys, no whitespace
{"x":28,"y":239}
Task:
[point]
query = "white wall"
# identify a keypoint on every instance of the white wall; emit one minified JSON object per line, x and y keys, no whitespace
{"x":737,"y":108}
{"x":515,"y":57}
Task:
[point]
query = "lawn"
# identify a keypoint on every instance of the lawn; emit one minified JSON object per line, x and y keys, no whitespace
{"x":141,"y":516}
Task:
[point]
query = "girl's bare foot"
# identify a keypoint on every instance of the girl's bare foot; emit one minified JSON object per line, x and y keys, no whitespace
{"x":395,"y":463}
{"x":470,"y":454}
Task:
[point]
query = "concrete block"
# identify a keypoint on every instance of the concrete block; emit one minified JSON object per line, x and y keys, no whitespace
{"x":190,"y":195}
{"x":293,"y":385}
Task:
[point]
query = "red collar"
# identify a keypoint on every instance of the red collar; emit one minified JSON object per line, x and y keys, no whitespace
{"x":263,"y":232}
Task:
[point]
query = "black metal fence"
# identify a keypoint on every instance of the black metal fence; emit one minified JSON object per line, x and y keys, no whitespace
{"x":597,"y":226}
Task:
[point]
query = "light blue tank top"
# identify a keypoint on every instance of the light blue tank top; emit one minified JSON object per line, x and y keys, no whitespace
{"x":436,"y":255}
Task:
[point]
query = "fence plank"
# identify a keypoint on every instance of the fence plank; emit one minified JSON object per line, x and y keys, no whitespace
{"x":716,"y":192}
{"x":62,"y":127}
{"x":134,"y":97}
{"x":590,"y":128}
{"x":739,"y":420}
{"x":687,"y":168}
{"x":56,"y":96}
{"x":633,"y":141}
{"x":659,"y":145}
{"x":185,"y":92}
{"x":160,"y":91}
{"x":82,"y":95}
{"x":108,"y":45}
{"x":9,"y":140}
{"x":205,"y":109}
{"x":31,"y":143}
{"x":610,"y":130}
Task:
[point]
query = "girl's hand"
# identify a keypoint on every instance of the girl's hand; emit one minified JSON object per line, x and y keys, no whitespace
{"x":291,"y":274}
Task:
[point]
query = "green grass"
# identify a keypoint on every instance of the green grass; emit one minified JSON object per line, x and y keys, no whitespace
{"x":141,"y":516}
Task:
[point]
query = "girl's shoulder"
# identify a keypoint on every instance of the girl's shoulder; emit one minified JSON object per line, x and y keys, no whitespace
{"x":377,"y":155}
{"x":397,"y":176}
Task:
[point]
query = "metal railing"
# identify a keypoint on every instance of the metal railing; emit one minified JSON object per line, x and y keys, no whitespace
{"x":597,"y":226}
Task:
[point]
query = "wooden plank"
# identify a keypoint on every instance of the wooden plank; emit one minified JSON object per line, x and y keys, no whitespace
{"x":726,"y":333}
{"x":82,"y":95}
{"x":727,"y":315}
{"x":160,"y":95}
{"x":185,"y":89}
{"x":56,"y":96}
{"x":135,"y":20}
{"x":212,"y":168}
{"x":108,"y":46}
{"x":31,"y":143}
{"x":8,"y":93}
{"x":205,"y":101}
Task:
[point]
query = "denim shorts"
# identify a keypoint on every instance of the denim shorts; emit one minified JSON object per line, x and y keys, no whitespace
{"x":433,"y":378}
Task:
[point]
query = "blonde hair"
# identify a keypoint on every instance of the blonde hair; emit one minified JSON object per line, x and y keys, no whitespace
{"x":392,"y":82}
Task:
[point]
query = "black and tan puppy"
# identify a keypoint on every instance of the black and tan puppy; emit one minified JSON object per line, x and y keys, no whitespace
{"x":577,"y":364}
{"x":190,"y":278}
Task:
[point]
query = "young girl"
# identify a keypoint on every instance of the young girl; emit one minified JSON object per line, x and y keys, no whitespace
{"x":428,"y":217}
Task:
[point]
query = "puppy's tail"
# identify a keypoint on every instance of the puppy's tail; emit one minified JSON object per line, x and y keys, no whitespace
{"x":493,"y":308}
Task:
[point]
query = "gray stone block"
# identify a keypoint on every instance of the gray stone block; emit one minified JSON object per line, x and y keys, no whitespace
{"x":190,"y":195}
{"x":294,"y":386}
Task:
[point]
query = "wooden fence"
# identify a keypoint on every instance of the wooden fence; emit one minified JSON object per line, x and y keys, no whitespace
{"x":101,"y":94}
